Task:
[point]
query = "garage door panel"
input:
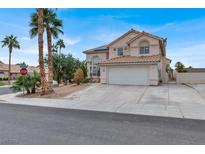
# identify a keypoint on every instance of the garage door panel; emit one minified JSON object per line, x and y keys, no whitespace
{"x":128,"y":75}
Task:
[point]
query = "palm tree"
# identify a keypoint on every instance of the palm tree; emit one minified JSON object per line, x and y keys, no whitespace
{"x":60,"y":43}
{"x":40,"y":49}
{"x":53,"y":26}
{"x":54,"y":48}
{"x":11,"y":42}
{"x":179,"y":67}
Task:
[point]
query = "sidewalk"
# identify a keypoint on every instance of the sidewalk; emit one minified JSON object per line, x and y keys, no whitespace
{"x":5,"y":86}
{"x":177,"y":101}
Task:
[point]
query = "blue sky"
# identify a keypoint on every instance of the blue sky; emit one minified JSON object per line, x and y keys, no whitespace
{"x":88,"y":28}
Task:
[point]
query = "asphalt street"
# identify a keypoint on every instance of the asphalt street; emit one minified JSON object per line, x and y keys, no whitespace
{"x":5,"y":90}
{"x":40,"y":125}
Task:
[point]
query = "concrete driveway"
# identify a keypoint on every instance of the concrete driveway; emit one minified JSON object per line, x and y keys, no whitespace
{"x":165,"y":100}
{"x":169,"y":100}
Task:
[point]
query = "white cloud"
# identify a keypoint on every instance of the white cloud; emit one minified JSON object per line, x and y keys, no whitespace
{"x":180,"y":26}
{"x":106,"y":37}
{"x":192,"y":55}
{"x":12,"y":25}
{"x":162,"y":27}
{"x":20,"y":60}
{"x":70,"y":41}
{"x":29,"y":50}
{"x":25,"y":38}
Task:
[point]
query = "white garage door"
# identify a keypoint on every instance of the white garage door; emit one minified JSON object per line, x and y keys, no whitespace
{"x":128,"y":75}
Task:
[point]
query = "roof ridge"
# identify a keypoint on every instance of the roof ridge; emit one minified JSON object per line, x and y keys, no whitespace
{"x":125,"y":34}
{"x":143,"y":33}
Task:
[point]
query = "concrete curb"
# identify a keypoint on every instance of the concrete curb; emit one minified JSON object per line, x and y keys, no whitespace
{"x":189,"y":85}
{"x":87,"y":105}
{"x":6,"y":86}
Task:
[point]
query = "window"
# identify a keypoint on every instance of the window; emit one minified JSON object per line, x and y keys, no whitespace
{"x":1,"y":75}
{"x":114,"y":49}
{"x":144,"y":47}
{"x":120,"y":51}
{"x":94,"y":70}
{"x":95,"y":60}
{"x":144,"y":50}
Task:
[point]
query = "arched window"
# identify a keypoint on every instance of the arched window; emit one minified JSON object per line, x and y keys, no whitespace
{"x":94,"y":70}
{"x":96,"y":59}
{"x":144,"y":47}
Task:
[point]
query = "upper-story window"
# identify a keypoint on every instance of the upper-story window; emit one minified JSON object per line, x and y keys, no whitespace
{"x":95,"y":60}
{"x":144,"y":47}
{"x":120,"y":51}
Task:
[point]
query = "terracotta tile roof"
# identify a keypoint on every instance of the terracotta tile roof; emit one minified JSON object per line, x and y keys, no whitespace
{"x":16,"y":68}
{"x":132,"y":59}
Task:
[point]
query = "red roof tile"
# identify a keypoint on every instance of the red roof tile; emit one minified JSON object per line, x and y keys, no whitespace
{"x":132,"y":59}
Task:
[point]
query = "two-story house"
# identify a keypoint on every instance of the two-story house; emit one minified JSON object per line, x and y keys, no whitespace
{"x":135,"y":58}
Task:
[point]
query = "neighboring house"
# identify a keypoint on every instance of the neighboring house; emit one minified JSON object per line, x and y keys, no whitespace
{"x":135,"y":58}
{"x":15,"y":70}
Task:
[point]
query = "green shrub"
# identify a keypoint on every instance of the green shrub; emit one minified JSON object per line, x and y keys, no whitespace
{"x":29,"y":82}
{"x":5,"y":78}
{"x":179,"y":67}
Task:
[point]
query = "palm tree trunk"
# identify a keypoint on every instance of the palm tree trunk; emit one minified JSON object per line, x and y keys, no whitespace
{"x":59,"y":50}
{"x":40,"y":48}
{"x":33,"y":90}
{"x":9,"y":73}
{"x":50,"y":65}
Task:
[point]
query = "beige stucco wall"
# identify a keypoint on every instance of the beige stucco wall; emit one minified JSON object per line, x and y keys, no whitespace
{"x":164,"y":75}
{"x":102,"y":55}
{"x":192,"y":78}
{"x":153,"y":44}
{"x":120,"y":43}
{"x":153,"y":74}
{"x":103,"y":74}
{"x":133,"y":50}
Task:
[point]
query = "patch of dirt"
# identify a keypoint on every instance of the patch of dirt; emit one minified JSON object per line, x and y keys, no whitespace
{"x":58,"y":92}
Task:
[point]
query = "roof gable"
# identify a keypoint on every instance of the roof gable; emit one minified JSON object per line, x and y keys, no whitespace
{"x":124,"y":35}
{"x":144,"y":34}
{"x":161,"y":40}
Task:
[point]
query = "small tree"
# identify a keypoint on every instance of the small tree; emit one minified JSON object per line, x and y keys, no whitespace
{"x":180,"y":67}
{"x":29,"y":82}
{"x":78,"y":76}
